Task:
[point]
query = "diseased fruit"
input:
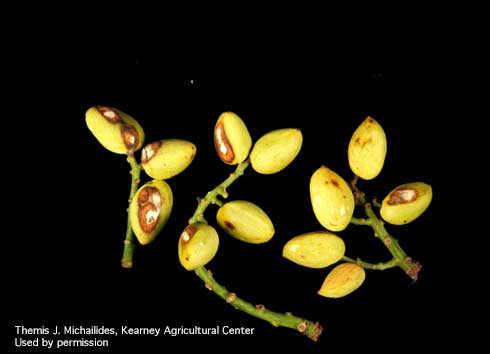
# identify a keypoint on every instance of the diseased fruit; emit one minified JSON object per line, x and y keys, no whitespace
{"x":231,"y":139}
{"x":150,"y":209}
{"x":367,"y":149}
{"x":342,"y":280}
{"x":117,"y":131}
{"x":314,"y":249}
{"x":167,"y":158}
{"x":198,"y":245}
{"x":331,"y":198}
{"x":245,"y":221}
{"x":275,"y":150}
{"x":406,"y":203}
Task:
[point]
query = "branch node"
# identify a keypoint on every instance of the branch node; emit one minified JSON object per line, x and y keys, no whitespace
{"x":260,"y":308}
{"x":302,"y":326}
{"x":230,"y":298}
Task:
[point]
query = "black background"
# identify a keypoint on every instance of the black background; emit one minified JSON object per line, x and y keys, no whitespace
{"x":64,"y":259}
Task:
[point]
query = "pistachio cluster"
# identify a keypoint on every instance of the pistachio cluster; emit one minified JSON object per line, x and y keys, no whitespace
{"x":333,"y":201}
{"x":241,"y":219}
{"x":150,"y":205}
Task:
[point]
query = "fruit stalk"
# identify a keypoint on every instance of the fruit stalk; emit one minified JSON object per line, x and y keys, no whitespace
{"x":400,"y":258}
{"x":312,"y":330}
{"x":212,"y":196}
{"x":127,"y":258}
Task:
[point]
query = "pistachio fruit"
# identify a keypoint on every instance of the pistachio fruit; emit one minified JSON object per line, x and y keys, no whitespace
{"x":231,"y":139}
{"x":245,"y":221}
{"x":117,"y":131}
{"x":275,"y":150}
{"x":198,"y":245}
{"x":167,"y":158}
{"x":406,"y":203}
{"x":331,"y":198}
{"x":150,"y":209}
{"x":314,"y":249}
{"x":342,"y":280}
{"x":367,"y":149}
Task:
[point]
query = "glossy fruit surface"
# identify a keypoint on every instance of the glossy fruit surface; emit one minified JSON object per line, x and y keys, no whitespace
{"x":314,"y":249}
{"x":275,"y":150}
{"x":198,"y":245}
{"x":342,"y":280}
{"x":367,"y":149}
{"x":331,"y":198}
{"x":245,"y":221}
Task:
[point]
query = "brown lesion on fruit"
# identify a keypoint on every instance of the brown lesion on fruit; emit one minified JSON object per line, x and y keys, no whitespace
{"x":402,"y":196}
{"x":149,"y":151}
{"x":149,"y":205}
{"x":335,"y":182}
{"x":222,"y":145}
{"x":187,"y":234}
{"x":148,"y":217}
{"x":362,"y":142}
{"x":110,"y":114}
{"x":229,"y":225}
{"x":130,"y":136}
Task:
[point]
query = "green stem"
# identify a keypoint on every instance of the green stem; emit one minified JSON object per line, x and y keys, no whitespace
{"x":410,"y":267}
{"x":127,"y":258}
{"x":400,"y":258}
{"x":220,"y":190}
{"x":378,"y":266}
{"x":310,"y":329}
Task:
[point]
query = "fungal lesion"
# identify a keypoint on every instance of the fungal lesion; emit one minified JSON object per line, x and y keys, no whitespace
{"x":221,"y":143}
{"x":229,"y":225}
{"x":130,"y":136}
{"x":149,"y":151}
{"x":149,"y":203}
{"x":109,"y":114}
{"x":187,"y":234}
{"x":402,"y":196}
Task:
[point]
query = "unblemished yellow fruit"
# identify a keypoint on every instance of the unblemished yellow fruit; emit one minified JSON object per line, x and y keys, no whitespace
{"x":331,"y":198}
{"x":167,"y":158}
{"x":367,"y":149}
{"x":198,"y":245}
{"x":245,"y":221}
{"x":342,"y":280}
{"x":314,"y":249}
{"x":231,"y":139}
{"x":117,"y":131}
{"x":275,"y":150}
{"x":150,"y":209}
{"x":406,"y":203}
